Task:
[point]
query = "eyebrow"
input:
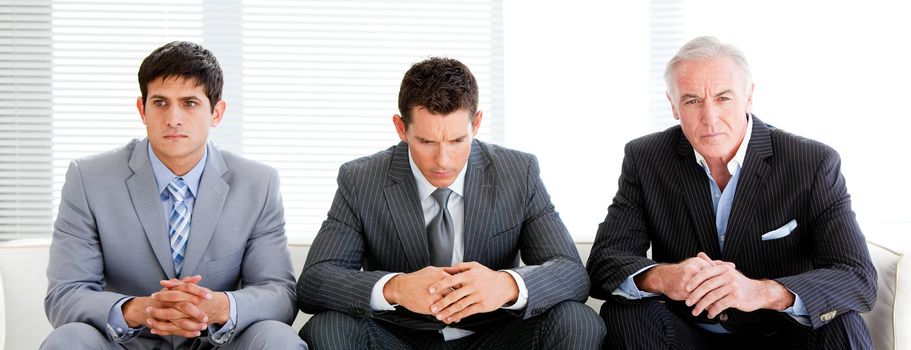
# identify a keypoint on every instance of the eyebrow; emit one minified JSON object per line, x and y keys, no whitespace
{"x":184,"y":98}
{"x":689,"y":96}
{"x":422,"y":139}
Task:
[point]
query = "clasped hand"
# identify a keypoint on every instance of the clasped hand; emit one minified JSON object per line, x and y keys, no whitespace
{"x":452,"y":293}
{"x":714,"y":286}
{"x":181,"y":307}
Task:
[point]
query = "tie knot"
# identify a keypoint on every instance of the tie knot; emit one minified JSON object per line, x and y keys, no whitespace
{"x":178,"y":189}
{"x":441,"y":195}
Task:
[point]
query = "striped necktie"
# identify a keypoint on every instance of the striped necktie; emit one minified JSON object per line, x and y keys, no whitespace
{"x":178,"y":221}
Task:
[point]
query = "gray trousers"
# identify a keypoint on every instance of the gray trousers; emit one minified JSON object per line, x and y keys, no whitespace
{"x":260,"y":335}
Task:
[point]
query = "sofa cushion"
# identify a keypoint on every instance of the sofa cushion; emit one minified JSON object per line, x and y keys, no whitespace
{"x":887,"y":320}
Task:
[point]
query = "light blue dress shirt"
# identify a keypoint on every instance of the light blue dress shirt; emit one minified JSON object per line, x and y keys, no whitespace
{"x":722,"y":201}
{"x":117,"y":325}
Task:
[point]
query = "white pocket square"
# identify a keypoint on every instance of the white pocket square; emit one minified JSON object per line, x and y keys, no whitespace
{"x":781,"y":231}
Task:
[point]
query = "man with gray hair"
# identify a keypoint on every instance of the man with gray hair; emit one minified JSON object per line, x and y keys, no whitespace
{"x":753,"y":240}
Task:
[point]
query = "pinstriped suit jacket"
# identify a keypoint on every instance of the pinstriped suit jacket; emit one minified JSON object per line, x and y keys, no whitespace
{"x":664,"y":200}
{"x":376,"y":226}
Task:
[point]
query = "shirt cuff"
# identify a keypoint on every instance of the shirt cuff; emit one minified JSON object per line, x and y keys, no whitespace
{"x":377,"y":300}
{"x":522,"y":299}
{"x":798,"y":311}
{"x":225,"y":333}
{"x":117,"y":327}
{"x":629,"y":290}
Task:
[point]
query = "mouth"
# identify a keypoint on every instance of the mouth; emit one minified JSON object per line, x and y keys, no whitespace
{"x":175,"y":137}
{"x":441,"y":174}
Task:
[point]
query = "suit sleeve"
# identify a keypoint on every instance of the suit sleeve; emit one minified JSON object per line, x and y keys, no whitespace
{"x":844,"y":278}
{"x":622,"y":240}
{"x":554,"y":272}
{"x":76,"y":267}
{"x":267,"y":276}
{"x":332,"y":278}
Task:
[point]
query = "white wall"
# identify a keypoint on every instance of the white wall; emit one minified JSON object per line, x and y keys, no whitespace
{"x":577,"y":91}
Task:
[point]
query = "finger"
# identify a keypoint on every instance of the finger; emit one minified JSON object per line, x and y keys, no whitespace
{"x":189,"y":325}
{"x":450,"y":298}
{"x":720,"y":305}
{"x":459,"y":268}
{"x":455,"y":307}
{"x":193,"y":312}
{"x":706,"y":287}
{"x":175,"y":296}
{"x":195,"y":279}
{"x":704,"y":256}
{"x":164,"y":313}
{"x":701,"y":277}
{"x":195,"y":289}
{"x":171,"y":283}
{"x":466,"y":312}
{"x":447,"y":284}
{"x":723,"y":263}
{"x":168,"y":328}
{"x":711,"y":298}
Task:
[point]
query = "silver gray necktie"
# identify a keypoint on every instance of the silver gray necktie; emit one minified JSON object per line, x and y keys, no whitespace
{"x":439,"y":232}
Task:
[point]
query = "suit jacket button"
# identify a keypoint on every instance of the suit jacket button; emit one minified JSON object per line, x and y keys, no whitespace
{"x":723,"y":317}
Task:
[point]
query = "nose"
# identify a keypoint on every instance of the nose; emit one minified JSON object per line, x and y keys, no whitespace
{"x":174,"y":117}
{"x":442,"y":156}
{"x":710,"y":113}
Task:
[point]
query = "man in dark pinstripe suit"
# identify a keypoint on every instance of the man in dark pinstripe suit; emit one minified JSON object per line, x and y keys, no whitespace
{"x":422,"y":242}
{"x":754,"y":243}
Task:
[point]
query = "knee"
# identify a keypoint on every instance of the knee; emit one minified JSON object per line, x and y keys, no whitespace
{"x":73,"y":336}
{"x":576,"y":322}
{"x":271,"y":334}
{"x":334,"y":330}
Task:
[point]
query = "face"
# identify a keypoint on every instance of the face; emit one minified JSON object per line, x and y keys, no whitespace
{"x":177,"y":116}
{"x":439,"y":144}
{"x":711,"y":100}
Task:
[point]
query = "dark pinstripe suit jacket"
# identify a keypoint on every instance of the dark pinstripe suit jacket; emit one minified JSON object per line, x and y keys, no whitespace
{"x":664,"y":200}
{"x":376,"y":226}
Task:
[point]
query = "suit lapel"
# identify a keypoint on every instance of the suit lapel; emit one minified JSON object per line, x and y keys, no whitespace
{"x":147,"y":203}
{"x":694,"y":185}
{"x":404,"y":205}
{"x":480,"y":199}
{"x":213,"y":190}
{"x":751,"y":182}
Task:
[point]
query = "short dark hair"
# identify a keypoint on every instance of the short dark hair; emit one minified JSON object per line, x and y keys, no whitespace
{"x":441,"y":85}
{"x":186,"y":60}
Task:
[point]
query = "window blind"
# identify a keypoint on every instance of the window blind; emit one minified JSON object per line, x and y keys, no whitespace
{"x":309,"y":85}
{"x":25,"y":121}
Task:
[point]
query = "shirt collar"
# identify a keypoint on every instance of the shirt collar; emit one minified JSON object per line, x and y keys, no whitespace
{"x":163,"y":175}
{"x":739,"y":157}
{"x":425,"y":189}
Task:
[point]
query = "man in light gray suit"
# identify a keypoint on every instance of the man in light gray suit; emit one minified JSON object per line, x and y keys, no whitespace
{"x":170,"y":242}
{"x":422,"y":243}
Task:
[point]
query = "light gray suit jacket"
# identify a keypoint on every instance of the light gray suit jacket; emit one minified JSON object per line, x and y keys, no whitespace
{"x":111,"y":239}
{"x":376,"y":224}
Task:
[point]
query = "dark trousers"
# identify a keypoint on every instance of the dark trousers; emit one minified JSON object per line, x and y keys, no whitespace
{"x":652,"y":325}
{"x":568,"y":325}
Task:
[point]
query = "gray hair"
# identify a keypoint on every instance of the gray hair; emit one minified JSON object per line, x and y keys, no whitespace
{"x":707,"y":48}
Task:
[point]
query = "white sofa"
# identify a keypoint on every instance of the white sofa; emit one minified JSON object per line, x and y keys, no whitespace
{"x":23,"y":284}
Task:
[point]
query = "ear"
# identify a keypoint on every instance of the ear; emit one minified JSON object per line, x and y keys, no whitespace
{"x":673,"y":107}
{"x":399,"y":127}
{"x":749,"y":105}
{"x":141,"y":107}
{"x":477,"y":123}
{"x":218,"y":113}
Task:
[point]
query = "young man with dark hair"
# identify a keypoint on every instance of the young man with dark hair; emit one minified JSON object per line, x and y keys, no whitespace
{"x":171,"y":242}
{"x":422,"y":242}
